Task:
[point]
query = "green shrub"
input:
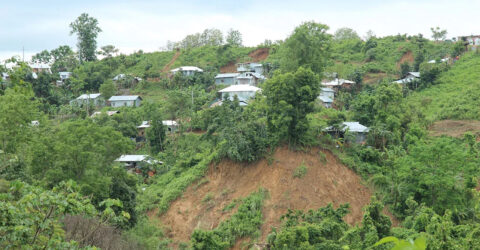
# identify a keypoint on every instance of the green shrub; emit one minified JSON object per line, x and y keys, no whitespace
{"x":300,"y":171}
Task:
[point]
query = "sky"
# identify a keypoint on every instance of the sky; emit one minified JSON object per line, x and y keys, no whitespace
{"x":131,"y":25}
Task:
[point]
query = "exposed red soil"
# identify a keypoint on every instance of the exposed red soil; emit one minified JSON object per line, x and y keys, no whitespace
{"x":257,"y":55}
{"x":325,"y":182}
{"x":407,"y":57}
{"x":454,"y":128}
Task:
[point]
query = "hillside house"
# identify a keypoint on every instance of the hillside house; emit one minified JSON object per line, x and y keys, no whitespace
{"x":447,"y":59}
{"x":243,"y":92}
{"x":337,"y":83}
{"x":226,"y":79}
{"x":125,"y":101}
{"x":172,"y":126}
{"x":328,"y":92}
{"x":123,"y":76}
{"x":473,"y":40}
{"x":411,"y":76}
{"x":187,"y":70}
{"x":250,"y":78}
{"x":40,"y":67}
{"x":141,"y":129}
{"x":250,"y":67}
{"x":326,"y":101}
{"x":93,"y":99}
{"x":139,"y":163}
{"x":356,"y":129}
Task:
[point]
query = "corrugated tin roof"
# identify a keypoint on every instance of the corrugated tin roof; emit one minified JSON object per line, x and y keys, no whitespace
{"x":109,"y":113}
{"x":88,"y":96}
{"x":124,"y":98}
{"x":145,"y":124}
{"x":328,"y":90}
{"x":352,"y":127}
{"x":169,"y":123}
{"x":39,"y":66}
{"x":338,"y":82}
{"x":227,"y":75}
{"x":239,"y":88}
{"x":131,"y":158}
{"x":416,"y":74}
{"x":187,"y":68}
{"x":325,"y":99}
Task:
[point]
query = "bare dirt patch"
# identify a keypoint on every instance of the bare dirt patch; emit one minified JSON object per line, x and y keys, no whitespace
{"x":407,"y":57}
{"x":257,"y":55}
{"x":454,"y":128}
{"x":325,"y":182}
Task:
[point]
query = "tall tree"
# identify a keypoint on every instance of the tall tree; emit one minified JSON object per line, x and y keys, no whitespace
{"x":308,"y":47}
{"x":87,"y":30}
{"x":156,"y":135}
{"x":290,"y":97}
{"x":438,"y":34}
{"x":234,"y":38}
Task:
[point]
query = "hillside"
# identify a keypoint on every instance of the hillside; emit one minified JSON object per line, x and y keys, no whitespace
{"x":326,"y":181}
{"x":454,"y":95}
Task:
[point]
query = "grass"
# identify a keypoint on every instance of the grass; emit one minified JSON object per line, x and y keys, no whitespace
{"x":300,"y":171}
{"x":230,"y":205}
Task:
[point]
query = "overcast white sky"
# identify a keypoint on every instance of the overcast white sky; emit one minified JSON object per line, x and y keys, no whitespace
{"x":147,"y":24}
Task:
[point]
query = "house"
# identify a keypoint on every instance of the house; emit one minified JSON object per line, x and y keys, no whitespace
{"x":473,"y":40}
{"x":226,"y":79}
{"x":338,"y":83}
{"x":250,"y":67}
{"x":326,"y":101}
{"x":172,"y":126}
{"x":40,"y":67}
{"x":328,"y":92}
{"x":123,"y":76}
{"x":187,"y":70}
{"x":125,"y":101}
{"x":243,"y":92}
{"x":139,"y":163}
{"x":142,"y":128}
{"x":109,"y":113}
{"x":250,"y":78}
{"x":354,"y":128}
{"x":35,"y":123}
{"x":411,"y":76}
{"x":94,"y":99}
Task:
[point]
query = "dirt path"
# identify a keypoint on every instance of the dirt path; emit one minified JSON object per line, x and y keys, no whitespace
{"x":169,"y":64}
{"x":325,"y":181}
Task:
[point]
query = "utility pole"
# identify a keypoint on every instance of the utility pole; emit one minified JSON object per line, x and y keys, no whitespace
{"x":23,"y":53}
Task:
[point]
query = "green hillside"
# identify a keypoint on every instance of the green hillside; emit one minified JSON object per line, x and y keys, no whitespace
{"x":454,"y":95}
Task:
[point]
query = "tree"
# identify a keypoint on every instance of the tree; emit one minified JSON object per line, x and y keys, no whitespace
{"x":290,"y":97}
{"x":87,"y":30}
{"x":156,"y":135}
{"x":108,"y":89}
{"x":42,"y":57}
{"x":438,"y":34}
{"x":404,"y":69}
{"x":17,"y":111}
{"x":63,"y":58}
{"x":234,"y":38}
{"x":345,"y":34}
{"x":107,"y":51}
{"x":308,"y":47}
